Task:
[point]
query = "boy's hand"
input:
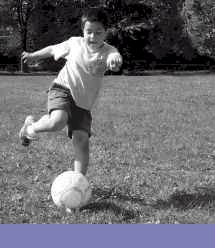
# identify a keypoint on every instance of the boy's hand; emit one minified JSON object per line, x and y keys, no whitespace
{"x":114,"y":62}
{"x":27,"y":57}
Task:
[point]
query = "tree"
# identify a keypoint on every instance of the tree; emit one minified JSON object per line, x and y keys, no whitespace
{"x":10,"y":41}
{"x":199,"y":18}
{"x":17,"y":15}
{"x":166,"y":39}
{"x":157,"y":31}
{"x":37,"y":20}
{"x":51,"y":23}
{"x":130,"y":25}
{"x":151,"y":30}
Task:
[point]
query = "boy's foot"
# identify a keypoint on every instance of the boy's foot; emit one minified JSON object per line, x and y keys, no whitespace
{"x":23,"y":135}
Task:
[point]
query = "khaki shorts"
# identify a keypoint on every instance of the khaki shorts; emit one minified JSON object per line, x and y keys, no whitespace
{"x":59,"y":97}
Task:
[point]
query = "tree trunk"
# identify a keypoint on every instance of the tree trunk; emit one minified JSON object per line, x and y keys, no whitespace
{"x":24,"y":66}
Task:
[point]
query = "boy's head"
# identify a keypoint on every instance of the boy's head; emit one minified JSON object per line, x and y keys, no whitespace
{"x":95,"y":15}
{"x":94,"y":25}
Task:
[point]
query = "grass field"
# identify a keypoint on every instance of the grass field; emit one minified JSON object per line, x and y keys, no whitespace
{"x":152,"y":152}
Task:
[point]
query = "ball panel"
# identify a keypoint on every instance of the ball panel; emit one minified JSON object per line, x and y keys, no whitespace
{"x":70,"y":189}
{"x":72,"y":198}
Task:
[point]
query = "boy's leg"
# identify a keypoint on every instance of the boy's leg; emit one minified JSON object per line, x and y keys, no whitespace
{"x":55,"y":121}
{"x":81,"y":148}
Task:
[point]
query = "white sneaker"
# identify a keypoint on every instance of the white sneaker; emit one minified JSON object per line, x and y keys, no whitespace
{"x":23,"y":135}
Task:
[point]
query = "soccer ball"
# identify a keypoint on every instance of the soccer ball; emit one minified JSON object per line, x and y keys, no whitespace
{"x":70,"y":190}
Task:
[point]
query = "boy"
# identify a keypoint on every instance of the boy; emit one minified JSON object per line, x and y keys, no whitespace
{"x":74,"y":91}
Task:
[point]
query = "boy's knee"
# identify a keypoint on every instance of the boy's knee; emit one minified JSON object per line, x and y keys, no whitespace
{"x":58,"y":120}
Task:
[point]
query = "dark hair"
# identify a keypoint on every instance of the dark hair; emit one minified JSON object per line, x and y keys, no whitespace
{"x":95,"y":14}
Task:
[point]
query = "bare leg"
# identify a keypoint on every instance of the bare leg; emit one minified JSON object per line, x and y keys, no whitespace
{"x":81,"y":149}
{"x":56,"y":121}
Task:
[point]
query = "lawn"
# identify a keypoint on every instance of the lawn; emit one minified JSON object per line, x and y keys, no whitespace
{"x":152,"y":152}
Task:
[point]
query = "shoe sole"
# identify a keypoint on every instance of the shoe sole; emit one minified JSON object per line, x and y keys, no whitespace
{"x":24,"y":140}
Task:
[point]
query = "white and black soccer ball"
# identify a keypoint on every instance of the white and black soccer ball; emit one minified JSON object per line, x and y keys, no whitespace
{"x":70,"y":190}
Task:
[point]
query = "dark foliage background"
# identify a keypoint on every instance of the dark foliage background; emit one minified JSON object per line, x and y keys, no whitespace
{"x":150,"y":34}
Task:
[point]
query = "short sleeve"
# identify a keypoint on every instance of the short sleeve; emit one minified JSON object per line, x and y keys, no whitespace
{"x":112,"y":51}
{"x":61,"y":50}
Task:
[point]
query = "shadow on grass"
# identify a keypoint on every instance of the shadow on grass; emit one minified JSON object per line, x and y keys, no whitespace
{"x":113,"y":207}
{"x":112,"y":193}
{"x":183,"y":201}
{"x":105,"y":199}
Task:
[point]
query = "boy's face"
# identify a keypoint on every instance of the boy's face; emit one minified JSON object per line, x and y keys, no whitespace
{"x":94,"y":34}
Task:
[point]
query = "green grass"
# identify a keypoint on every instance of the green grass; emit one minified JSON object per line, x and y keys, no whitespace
{"x":152,"y":152}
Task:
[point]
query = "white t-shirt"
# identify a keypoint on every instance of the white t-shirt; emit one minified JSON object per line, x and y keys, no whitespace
{"x":84,"y":69}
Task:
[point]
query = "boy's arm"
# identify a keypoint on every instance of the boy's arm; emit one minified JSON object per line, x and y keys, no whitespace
{"x":46,"y":52}
{"x":57,"y":51}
